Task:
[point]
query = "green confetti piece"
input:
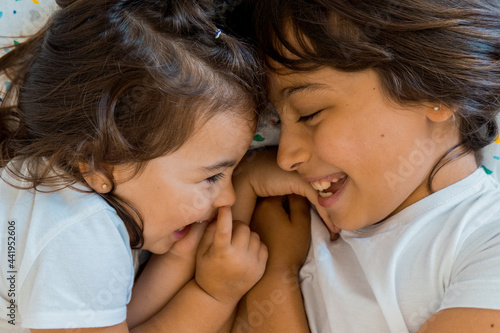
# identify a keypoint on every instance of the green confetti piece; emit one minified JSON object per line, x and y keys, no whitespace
{"x":258,"y":138}
{"x":488,"y":171}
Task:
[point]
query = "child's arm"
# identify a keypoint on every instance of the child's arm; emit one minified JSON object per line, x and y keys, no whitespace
{"x":230,"y":260}
{"x":459,"y":320}
{"x":275,"y":304}
{"x":258,"y":175}
{"x":163,"y":276}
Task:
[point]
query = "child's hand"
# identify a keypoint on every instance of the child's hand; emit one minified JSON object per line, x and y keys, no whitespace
{"x":258,"y":175}
{"x":186,"y":247}
{"x":230,"y":258}
{"x":287,"y":236}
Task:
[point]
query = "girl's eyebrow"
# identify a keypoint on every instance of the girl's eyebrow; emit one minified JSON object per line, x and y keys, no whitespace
{"x":220,"y":165}
{"x":302,"y":87}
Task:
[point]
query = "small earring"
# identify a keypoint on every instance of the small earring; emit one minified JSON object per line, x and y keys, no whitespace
{"x":104,"y":186}
{"x":436,"y":108}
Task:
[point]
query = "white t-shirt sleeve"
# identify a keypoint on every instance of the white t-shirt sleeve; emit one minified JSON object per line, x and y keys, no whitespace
{"x":475,"y":279}
{"x":83,"y":277}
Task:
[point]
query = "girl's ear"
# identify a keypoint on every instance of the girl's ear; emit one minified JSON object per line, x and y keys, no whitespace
{"x":97,"y":180}
{"x":439,"y":113}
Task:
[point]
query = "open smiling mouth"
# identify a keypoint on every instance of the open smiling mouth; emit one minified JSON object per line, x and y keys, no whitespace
{"x":328,"y":188}
{"x":182,"y":228}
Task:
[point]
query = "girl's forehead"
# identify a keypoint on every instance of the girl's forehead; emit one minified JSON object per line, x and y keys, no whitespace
{"x":222,"y":123}
{"x":285,"y":85}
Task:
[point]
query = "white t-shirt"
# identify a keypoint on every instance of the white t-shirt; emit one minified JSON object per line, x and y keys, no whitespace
{"x":441,"y":252}
{"x":69,"y":264}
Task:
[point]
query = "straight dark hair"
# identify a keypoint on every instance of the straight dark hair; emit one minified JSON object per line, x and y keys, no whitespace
{"x":110,"y":82}
{"x":445,"y":52}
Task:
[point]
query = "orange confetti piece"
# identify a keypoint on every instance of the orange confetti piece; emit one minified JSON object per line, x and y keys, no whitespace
{"x":36,"y":1}
{"x":497,"y":139}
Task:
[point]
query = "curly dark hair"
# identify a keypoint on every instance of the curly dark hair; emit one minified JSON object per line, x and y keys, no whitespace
{"x":109,"y":82}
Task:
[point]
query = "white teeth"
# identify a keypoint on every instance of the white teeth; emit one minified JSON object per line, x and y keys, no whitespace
{"x":198,"y":221}
{"x":323,"y":185}
{"x":326,"y":185}
{"x":316,"y":186}
{"x":325,"y":194}
{"x":180,"y":229}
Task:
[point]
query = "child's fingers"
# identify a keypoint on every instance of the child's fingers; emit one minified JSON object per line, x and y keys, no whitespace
{"x":263,"y":253}
{"x":224,"y":227}
{"x":254,"y":243}
{"x":207,"y":238}
{"x":191,"y":241}
{"x":299,"y":209}
{"x":196,"y":232}
{"x":271,"y":206}
{"x":241,"y":235}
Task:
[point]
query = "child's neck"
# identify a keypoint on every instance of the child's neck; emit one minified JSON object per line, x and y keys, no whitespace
{"x":449,"y":174}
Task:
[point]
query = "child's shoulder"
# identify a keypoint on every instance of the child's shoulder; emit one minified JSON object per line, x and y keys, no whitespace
{"x":45,"y":213}
{"x":475,"y":207}
{"x":481,"y":189}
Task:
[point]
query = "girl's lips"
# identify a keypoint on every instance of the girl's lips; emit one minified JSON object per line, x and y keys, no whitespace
{"x":336,"y":190}
{"x":327,"y":178}
{"x":180,"y":233}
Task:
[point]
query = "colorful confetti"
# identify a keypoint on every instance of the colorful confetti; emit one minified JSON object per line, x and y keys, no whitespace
{"x":36,"y":1}
{"x":488,"y":171}
{"x":258,"y":138}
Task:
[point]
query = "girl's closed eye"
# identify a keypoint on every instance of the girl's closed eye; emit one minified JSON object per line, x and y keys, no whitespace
{"x":309,"y":117}
{"x":215,"y":178}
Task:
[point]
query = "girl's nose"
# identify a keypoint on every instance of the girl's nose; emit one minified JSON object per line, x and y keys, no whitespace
{"x":292,"y":149}
{"x":226,"y":196}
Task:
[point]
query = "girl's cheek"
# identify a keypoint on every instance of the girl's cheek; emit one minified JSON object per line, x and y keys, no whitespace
{"x":198,"y":200}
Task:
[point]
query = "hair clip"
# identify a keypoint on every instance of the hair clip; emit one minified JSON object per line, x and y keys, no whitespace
{"x":217,"y":34}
